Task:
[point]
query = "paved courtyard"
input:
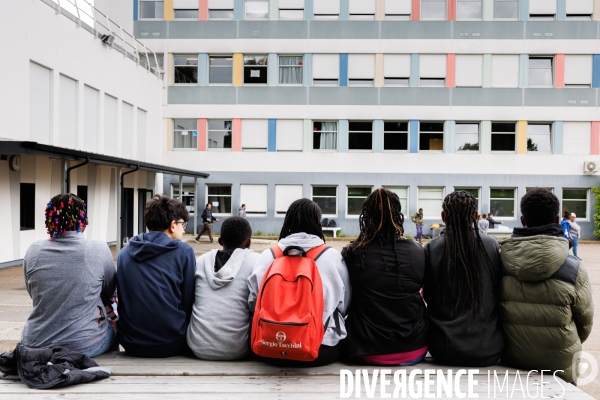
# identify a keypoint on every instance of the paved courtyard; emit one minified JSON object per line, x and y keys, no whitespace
{"x":15,"y":303}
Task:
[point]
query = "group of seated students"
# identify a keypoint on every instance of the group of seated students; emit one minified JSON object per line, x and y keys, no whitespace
{"x":462,"y":297}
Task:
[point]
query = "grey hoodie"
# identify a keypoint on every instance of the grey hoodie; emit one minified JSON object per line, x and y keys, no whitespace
{"x":220,"y":322}
{"x":334,"y":276}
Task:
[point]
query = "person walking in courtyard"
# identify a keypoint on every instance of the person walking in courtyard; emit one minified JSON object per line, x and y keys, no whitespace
{"x":207,"y":220}
{"x":242,"y":211}
{"x":575,"y":232}
{"x":417,"y":218}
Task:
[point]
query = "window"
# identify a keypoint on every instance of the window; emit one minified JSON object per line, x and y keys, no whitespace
{"x":469,"y":70}
{"x":547,"y":188}
{"x":402,"y":193}
{"x":220,"y":9}
{"x":578,"y":71}
{"x":433,"y":9}
{"x":539,"y":138}
{"x":291,"y":14}
{"x":505,"y":71}
{"x":395,"y":136}
{"x":430,"y":200}
{"x":473,"y":191}
{"x":185,"y":134}
{"x":151,"y":9}
{"x":185,"y":9}
{"x":188,"y":198}
{"x":290,"y":70}
{"x":361,"y":69}
{"x":396,"y":69}
{"x":257,"y":9}
{"x":326,"y":10}
{"x":220,"y":70}
{"x":542,"y":10}
{"x":219,"y":197}
{"x":82,"y":192}
{"x":578,"y":137}
{"x":326,"y":198}
{"x":356,"y":198}
{"x":540,"y":72}
{"x":326,"y":69}
{"x":186,"y":68}
{"x":503,"y":136}
{"x":291,"y":9}
{"x":255,"y":134}
{"x":432,"y":70}
{"x":285,"y":195}
{"x":27,"y":199}
{"x":580,"y":10}
{"x":290,"y":134}
{"x":362,"y":10}
{"x":255,"y":199}
{"x":219,"y":134}
{"x":110,"y":124}
{"x":431,"y":136}
{"x":575,"y":201}
{"x":255,"y":69}
{"x":506,"y":9}
{"x":360,"y":136}
{"x":325,"y":135}
{"x":468,"y":9}
{"x":466,"y":137}
{"x":502,"y":203}
{"x":398,"y":10}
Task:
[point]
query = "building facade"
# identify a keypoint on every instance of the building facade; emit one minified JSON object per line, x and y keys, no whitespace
{"x":330,"y":99}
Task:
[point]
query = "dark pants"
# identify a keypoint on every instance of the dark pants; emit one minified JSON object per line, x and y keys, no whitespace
{"x":327,"y":355}
{"x":207,"y":227}
{"x":419,"y":232}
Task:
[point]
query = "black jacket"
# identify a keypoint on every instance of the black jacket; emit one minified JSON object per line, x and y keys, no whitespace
{"x":50,"y":367}
{"x":387,"y":314}
{"x":207,"y":216}
{"x":493,"y":222}
{"x":460,"y":340}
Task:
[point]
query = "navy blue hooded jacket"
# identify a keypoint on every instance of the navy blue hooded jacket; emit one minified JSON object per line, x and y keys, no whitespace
{"x":155,"y":285}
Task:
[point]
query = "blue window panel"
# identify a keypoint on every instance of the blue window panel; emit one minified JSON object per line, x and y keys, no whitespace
{"x":596,"y":71}
{"x":135,"y":9}
{"x":414,"y":136}
{"x":344,"y":69}
{"x":272,"y":141}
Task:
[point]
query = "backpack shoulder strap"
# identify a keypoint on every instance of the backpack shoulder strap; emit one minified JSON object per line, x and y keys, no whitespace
{"x":317,"y":252}
{"x":276,"y":252}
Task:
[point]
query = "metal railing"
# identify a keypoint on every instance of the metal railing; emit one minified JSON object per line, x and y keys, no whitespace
{"x":86,"y":16}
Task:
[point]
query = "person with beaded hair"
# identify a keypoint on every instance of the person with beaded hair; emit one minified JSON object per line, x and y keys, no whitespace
{"x":461,"y":289}
{"x":387,"y":319}
{"x":66,"y":276}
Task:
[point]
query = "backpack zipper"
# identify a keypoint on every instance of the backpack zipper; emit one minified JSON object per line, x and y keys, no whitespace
{"x":282,"y":323}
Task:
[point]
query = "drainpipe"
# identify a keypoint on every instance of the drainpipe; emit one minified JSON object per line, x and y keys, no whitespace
{"x":68,"y":174}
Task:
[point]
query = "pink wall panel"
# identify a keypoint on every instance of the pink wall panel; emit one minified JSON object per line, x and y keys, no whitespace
{"x":201,"y":134}
{"x":559,"y":75}
{"x":450,"y":70}
{"x":595,"y":145}
{"x":236,"y":144}
{"x":203,"y":10}
{"x":451,"y":10}
{"x":416,"y":10}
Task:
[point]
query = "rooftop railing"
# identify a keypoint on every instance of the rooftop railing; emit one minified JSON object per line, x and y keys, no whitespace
{"x":86,"y":16}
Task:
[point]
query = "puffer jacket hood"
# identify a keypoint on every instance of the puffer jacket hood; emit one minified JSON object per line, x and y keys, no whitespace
{"x":534,"y":258}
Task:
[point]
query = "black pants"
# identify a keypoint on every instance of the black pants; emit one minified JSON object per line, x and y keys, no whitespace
{"x":327,"y":355}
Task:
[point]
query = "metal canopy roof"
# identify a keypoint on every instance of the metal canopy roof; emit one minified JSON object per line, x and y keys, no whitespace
{"x":10,"y":147}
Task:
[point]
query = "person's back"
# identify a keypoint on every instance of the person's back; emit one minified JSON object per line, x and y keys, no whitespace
{"x":387,"y":320}
{"x":304,"y":215}
{"x":222,"y":290}
{"x":65,"y":277}
{"x":483,"y":225}
{"x":546,"y":301}
{"x":155,"y":278}
{"x":463,"y":317}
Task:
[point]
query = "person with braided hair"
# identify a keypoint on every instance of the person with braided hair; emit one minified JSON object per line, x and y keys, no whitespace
{"x":387,"y":320}
{"x":462,"y":279}
{"x":302,"y":228}
{"x":66,"y":277}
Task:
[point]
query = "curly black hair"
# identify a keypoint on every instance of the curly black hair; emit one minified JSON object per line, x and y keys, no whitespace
{"x":65,"y":212}
{"x":539,"y":207}
{"x":303,"y":215}
{"x":161,"y":210}
{"x":235,"y":231}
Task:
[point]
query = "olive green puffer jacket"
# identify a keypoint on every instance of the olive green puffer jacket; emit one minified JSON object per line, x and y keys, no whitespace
{"x":545,"y":305}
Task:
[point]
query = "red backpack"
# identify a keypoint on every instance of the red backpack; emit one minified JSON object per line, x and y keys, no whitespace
{"x":288,"y":317}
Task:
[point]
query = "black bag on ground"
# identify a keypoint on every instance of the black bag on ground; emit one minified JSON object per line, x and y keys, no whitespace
{"x":325,"y":222}
{"x":332,"y":224}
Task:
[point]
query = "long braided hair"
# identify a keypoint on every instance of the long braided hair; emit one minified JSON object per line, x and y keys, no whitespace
{"x":462,"y":246}
{"x":64,"y":213}
{"x":303,"y":215}
{"x":381,"y":219}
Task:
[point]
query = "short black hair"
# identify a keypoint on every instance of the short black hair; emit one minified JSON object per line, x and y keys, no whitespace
{"x":243,"y":205}
{"x":490,"y":215}
{"x":539,"y":207}
{"x":235,"y":231}
{"x":161,"y":210}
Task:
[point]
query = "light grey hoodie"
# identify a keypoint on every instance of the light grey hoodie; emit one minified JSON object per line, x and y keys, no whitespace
{"x":334,"y":276}
{"x":220,"y":322}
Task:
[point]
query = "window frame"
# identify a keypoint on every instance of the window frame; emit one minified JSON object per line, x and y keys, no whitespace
{"x":397,"y":132}
{"x":256,"y":19}
{"x":551,"y":137}
{"x":337,"y":132}
{"x":266,"y":68}
{"x":326,"y":17}
{"x":425,"y":216}
{"x":492,"y":133}
{"x":516,"y":18}
{"x":291,"y":9}
{"x":191,"y":194}
{"x":312,"y":197}
{"x":442,"y":132}
{"x":515,"y":198}
{"x":587,"y":203}
{"x":349,"y":131}
{"x":185,"y":66}
{"x":290,"y":66}
{"x":478,"y":123}
{"x":220,"y":214}
{"x":162,"y":17}
{"x":276,"y":214}
{"x":209,"y":67}
{"x":221,"y":19}
{"x":208,"y":130}
{"x":469,"y":1}
{"x":186,"y":19}
{"x":181,"y":130}
{"x":444,"y":18}
{"x":348,"y":197}
{"x":552,"y":71}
